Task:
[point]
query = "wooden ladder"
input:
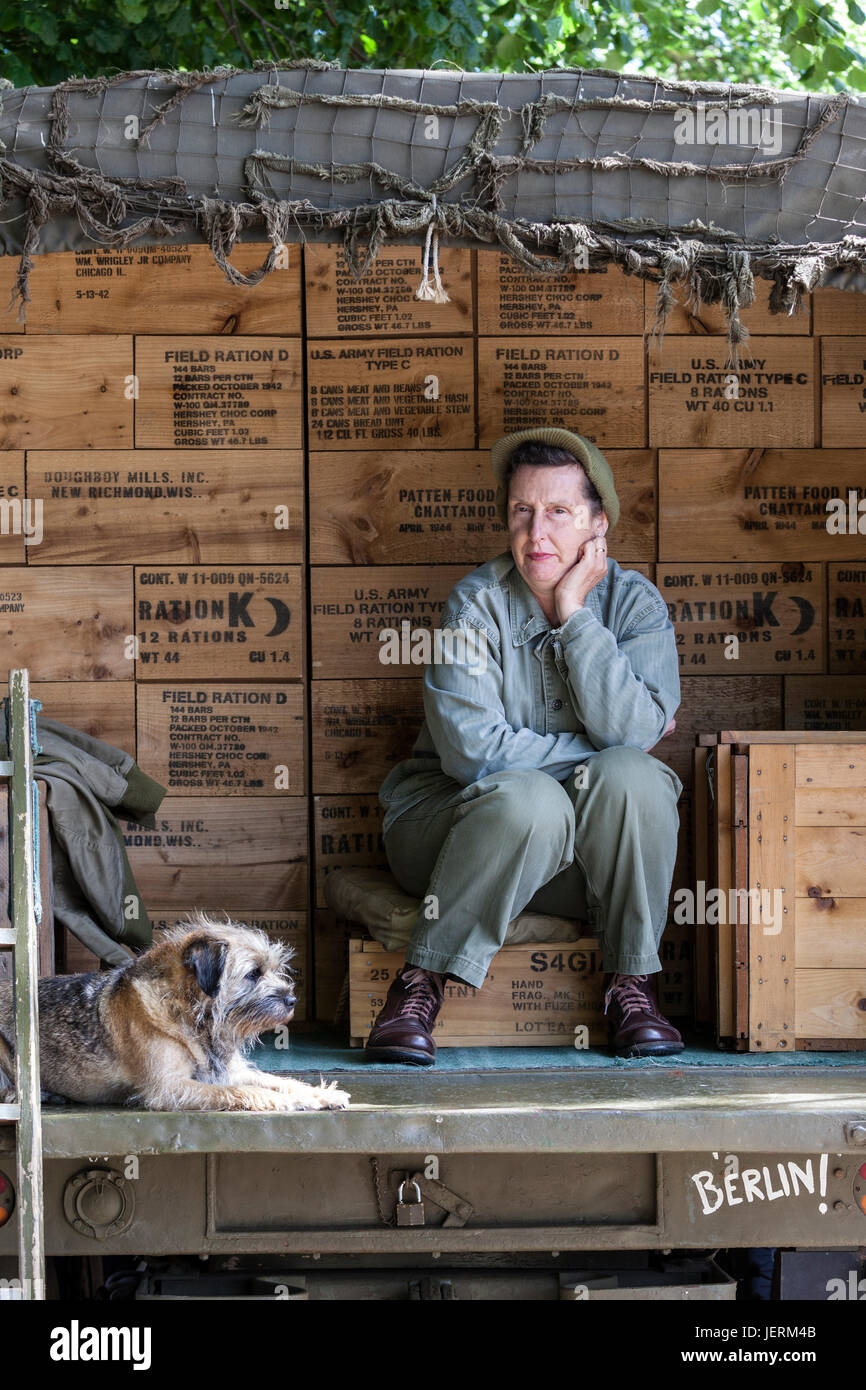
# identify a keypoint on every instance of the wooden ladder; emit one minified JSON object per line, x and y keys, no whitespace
{"x":21,"y":938}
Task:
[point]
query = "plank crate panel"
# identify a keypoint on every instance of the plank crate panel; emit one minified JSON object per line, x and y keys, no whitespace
{"x":383,"y":301}
{"x":403,"y":508}
{"x":347,"y":834}
{"x":67,"y":624}
{"x":168,"y":506}
{"x":203,"y":624}
{"x":776,"y":397}
{"x":104,"y":709}
{"x":847,"y":617}
{"x":838,"y":311}
{"x":224,"y":740}
{"x":594,"y":386}
{"x":825,"y":704}
{"x":840,"y":765}
{"x":15,"y":516}
{"x":362,"y":394}
{"x":775,"y":612}
{"x":360,"y":729}
{"x":351,"y":608}
{"x":533,"y":996}
{"x":711,"y":319}
{"x":843,"y":391}
{"x":772,"y":866}
{"x":93,"y":290}
{"x":222,"y":853}
{"x":830,"y":933}
{"x":832,"y":860}
{"x":70,"y":392}
{"x":516,"y":301}
{"x":831,"y":1004}
{"x":755,"y":505}
{"x":219,"y":393}
{"x":830,"y":806}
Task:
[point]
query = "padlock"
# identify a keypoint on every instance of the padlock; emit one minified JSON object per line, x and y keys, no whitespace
{"x":410,"y":1213}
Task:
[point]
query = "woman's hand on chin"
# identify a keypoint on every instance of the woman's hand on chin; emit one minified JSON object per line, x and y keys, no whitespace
{"x":587,"y":571}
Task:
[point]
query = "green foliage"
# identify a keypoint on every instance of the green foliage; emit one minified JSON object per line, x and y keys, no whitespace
{"x":809,"y":45}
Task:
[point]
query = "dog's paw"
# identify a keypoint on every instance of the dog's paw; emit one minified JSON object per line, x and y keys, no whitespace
{"x":328,"y":1098}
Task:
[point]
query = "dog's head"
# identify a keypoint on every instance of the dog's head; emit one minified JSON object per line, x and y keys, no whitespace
{"x":237,"y":974}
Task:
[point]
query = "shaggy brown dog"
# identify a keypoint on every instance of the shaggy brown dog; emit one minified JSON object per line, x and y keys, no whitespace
{"x":169,"y":1030}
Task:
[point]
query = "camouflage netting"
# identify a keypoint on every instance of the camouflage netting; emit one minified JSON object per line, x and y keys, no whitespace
{"x":562,"y":168}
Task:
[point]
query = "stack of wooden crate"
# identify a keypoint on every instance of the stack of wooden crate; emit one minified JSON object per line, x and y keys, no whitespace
{"x":780,"y":834}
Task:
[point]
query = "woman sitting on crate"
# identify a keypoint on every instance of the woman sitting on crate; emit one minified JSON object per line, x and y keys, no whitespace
{"x":529,"y":785}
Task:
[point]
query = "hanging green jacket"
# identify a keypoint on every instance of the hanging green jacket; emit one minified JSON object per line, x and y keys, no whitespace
{"x":89,"y":785}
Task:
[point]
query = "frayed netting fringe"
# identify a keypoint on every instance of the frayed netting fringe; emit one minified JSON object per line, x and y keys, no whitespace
{"x":715,"y":266}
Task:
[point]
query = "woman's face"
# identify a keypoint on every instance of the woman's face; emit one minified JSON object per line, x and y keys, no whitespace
{"x":549,"y":519}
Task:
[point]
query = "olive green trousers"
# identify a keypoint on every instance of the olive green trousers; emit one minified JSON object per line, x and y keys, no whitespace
{"x":600,"y":846}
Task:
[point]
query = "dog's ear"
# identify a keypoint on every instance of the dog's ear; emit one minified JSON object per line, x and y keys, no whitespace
{"x":206,"y":958}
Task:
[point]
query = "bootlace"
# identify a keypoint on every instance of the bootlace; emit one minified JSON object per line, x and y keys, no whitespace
{"x":630,"y":997}
{"x":421,"y":994}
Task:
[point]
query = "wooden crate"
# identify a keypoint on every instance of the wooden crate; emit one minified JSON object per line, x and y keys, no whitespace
{"x":68,"y":624}
{"x":595,"y":386}
{"x":225,"y":740}
{"x":168,"y":506}
{"x":383,"y":300}
{"x":66,"y":393}
{"x":205,"y":623}
{"x":788,"y":817}
{"x":399,"y":507}
{"x":234,"y":854}
{"x":218,"y":393}
{"x":755,"y":505}
{"x":391,"y":395}
{"x":746,"y":618}
{"x":533,"y":996}
{"x":825,"y":703}
{"x":350,"y":608}
{"x":144,"y":287}
{"x":515,"y":300}
{"x":687,"y":403}
{"x":360,"y":729}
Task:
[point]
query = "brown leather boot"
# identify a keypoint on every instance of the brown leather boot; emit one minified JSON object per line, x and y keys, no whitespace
{"x":637,"y":1029}
{"x":403,"y":1031}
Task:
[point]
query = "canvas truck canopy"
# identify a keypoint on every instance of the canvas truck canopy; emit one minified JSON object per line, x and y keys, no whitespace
{"x":711,"y":184}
